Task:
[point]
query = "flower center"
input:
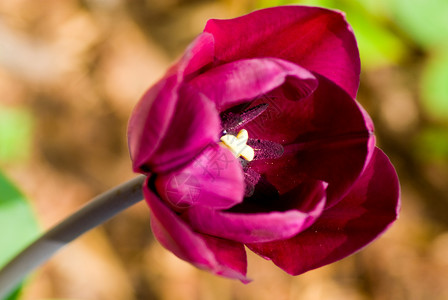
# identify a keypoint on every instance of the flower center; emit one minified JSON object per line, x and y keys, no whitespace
{"x":249,"y":149}
{"x":238,"y":145}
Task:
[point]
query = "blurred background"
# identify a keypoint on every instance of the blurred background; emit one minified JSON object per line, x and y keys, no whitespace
{"x":70,"y":74}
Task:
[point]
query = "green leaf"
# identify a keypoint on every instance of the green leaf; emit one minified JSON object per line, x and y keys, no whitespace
{"x":15,"y":134}
{"x":426,"y":21}
{"x":377,"y":46}
{"x":434,"y":87}
{"x":17,"y":222}
{"x":271,"y":3}
{"x":432,"y":144}
{"x":14,"y":295}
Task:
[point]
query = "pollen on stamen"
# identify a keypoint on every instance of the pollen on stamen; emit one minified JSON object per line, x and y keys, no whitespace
{"x":232,"y":121}
{"x":265,"y":149}
{"x":238,"y":145}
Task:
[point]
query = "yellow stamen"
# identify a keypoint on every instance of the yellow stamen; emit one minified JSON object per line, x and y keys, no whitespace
{"x":237,"y":144}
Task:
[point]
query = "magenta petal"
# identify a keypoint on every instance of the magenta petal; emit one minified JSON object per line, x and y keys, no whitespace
{"x":166,"y":127}
{"x":317,"y":39}
{"x":366,"y":212}
{"x":221,"y":257}
{"x":213,"y":179}
{"x":231,"y":257}
{"x":261,"y":227}
{"x":193,"y":123}
{"x":326,"y":136}
{"x":150,"y":120}
{"x":233,"y":83}
{"x":199,"y":54}
{"x":247,"y":228}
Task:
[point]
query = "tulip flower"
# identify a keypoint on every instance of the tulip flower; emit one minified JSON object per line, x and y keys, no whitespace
{"x":254,"y":138}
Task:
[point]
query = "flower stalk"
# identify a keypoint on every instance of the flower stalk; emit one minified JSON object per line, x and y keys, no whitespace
{"x":94,"y":213}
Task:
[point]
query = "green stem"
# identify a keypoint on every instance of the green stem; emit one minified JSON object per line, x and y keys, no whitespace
{"x":94,"y":213}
